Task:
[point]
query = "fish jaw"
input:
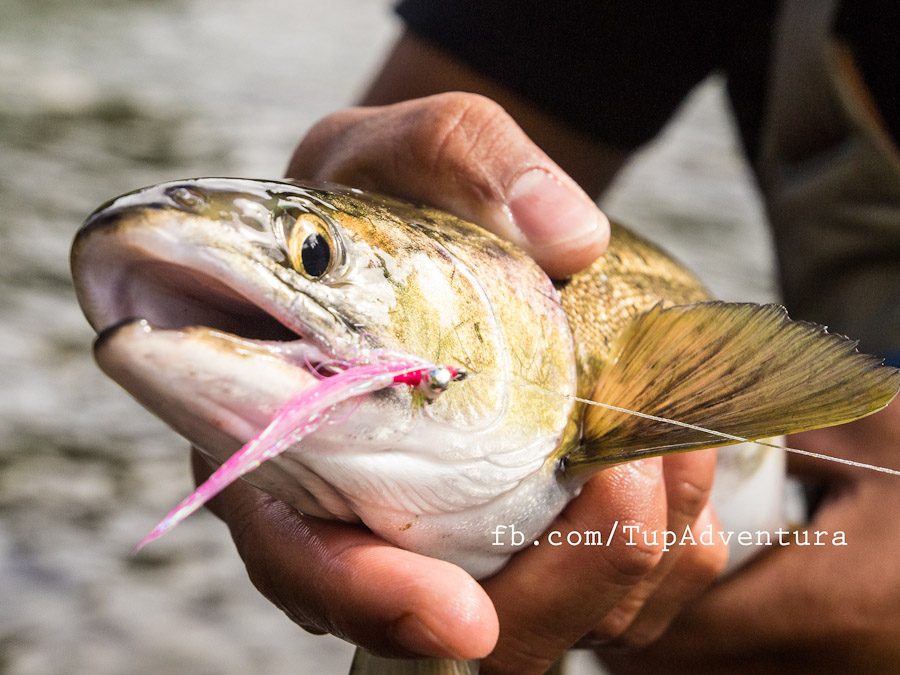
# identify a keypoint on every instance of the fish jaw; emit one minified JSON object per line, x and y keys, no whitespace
{"x":218,"y":391}
{"x":201,"y":320}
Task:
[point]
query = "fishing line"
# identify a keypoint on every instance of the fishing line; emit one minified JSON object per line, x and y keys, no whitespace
{"x":694,"y":427}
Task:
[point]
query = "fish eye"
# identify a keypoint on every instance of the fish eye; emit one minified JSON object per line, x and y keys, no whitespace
{"x":315,"y":255}
{"x":310,"y":246}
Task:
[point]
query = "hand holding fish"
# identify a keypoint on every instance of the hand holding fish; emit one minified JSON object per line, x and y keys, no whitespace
{"x":463,"y":153}
{"x":428,"y":380}
{"x":336,"y":578}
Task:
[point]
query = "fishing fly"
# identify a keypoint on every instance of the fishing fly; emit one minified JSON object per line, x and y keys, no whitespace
{"x":306,"y":413}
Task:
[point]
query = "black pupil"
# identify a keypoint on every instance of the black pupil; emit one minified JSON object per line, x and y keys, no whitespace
{"x":315,"y":255}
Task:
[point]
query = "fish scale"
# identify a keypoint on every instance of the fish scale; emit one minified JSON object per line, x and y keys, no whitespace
{"x":633,"y":277}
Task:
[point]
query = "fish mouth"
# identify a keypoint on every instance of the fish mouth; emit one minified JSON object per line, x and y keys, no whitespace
{"x":175,"y":296}
{"x":205,"y":326}
{"x":219,"y":263}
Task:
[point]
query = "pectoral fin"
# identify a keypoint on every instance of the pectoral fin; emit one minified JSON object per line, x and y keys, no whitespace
{"x":741,"y":369}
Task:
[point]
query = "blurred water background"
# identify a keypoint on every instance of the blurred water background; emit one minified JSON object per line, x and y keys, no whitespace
{"x":98,"y":97}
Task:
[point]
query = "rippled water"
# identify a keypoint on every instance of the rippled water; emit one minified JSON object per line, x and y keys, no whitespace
{"x":102,"y":96}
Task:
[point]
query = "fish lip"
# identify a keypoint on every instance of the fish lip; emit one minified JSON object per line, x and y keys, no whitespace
{"x":296,"y":353}
{"x":143,"y":231}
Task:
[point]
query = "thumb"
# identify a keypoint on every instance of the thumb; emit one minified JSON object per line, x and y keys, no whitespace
{"x":462,"y":153}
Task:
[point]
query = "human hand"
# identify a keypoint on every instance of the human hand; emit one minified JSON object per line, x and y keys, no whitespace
{"x":336,"y":578}
{"x":464,"y":154}
{"x":807,"y":609}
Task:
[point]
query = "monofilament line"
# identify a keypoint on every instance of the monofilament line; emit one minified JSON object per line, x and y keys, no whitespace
{"x":711,"y":432}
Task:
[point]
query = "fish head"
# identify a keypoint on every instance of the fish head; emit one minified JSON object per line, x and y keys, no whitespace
{"x":217,"y":301}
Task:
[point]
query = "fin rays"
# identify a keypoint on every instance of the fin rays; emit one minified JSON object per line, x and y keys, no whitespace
{"x":741,"y":369}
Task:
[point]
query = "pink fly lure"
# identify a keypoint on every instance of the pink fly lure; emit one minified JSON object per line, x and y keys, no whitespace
{"x":304,"y":414}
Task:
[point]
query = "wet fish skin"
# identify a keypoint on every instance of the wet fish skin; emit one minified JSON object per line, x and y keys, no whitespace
{"x":214,"y":266}
{"x":211,"y":255}
{"x":403,"y":277}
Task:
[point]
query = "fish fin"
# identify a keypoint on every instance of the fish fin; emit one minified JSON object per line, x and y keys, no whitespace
{"x":741,"y":369}
{"x":365,"y":663}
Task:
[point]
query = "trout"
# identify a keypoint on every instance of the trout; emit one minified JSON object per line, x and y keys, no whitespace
{"x":219,"y":301}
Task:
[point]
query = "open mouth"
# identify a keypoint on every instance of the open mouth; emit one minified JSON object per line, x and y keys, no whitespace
{"x":168,"y":299}
{"x":200,"y":326}
{"x":208,"y":354}
{"x":210,"y":252}
{"x":177,"y":297}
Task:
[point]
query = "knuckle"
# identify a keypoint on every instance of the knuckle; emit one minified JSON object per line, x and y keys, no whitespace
{"x":322,"y":153}
{"x":687,"y":497}
{"x":689,"y":479}
{"x":327,"y":129}
{"x":614,"y":626}
{"x":642,"y":636}
{"x":266,"y":568}
{"x":627,"y":628}
{"x":631,"y":558}
{"x":711,"y":561}
{"x":463,"y":112}
{"x":458,"y":134}
{"x":518,"y":654}
{"x":699,"y":564}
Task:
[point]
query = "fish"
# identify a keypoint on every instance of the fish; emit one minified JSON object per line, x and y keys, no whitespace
{"x":219,"y":301}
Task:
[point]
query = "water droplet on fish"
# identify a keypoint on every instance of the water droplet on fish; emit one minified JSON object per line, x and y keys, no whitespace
{"x":187,"y":198}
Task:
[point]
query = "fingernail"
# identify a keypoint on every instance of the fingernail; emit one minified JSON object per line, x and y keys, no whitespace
{"x":548,"y":212}
{"x":410,"y":633}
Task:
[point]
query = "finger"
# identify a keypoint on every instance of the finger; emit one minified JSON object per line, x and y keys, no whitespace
{"x":810,"y":602}
{"x":462,"y":153}
{"x":344,"y":580}
{"x":796,"y":608}
{"x":691,"y":572}
{"x":744,"y":635}
{"x":551,"y":595}
{"x":684,"y":568}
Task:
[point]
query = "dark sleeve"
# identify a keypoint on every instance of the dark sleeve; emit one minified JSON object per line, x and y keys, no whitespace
{"x":831,"y":179}
{"x":612,"y":70}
